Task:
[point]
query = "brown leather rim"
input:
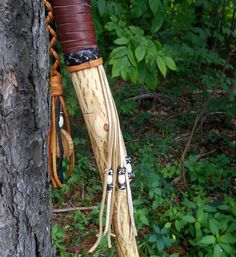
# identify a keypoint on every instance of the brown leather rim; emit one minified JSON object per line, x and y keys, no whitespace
{"x":85,"y":65}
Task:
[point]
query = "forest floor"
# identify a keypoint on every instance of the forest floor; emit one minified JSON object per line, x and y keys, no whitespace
{"x":184,"y":157}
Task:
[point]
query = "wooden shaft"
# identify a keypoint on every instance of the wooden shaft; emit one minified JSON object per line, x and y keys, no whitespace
{"x":88,"y":86}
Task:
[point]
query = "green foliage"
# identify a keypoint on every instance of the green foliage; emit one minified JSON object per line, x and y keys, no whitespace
{"x":145,"y":36}
{"x":210,"y":228}
{"x":58,"y":236}
{"x":210,"y":171}
{"x":137,"y":55}
{"x":191,"y":217}
{"x":160,"y":238}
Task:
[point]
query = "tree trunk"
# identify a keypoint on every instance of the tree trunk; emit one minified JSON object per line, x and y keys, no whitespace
{"x":24,"y":184}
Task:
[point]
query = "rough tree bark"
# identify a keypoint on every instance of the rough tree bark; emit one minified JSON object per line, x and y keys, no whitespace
{"x":24,"y":184}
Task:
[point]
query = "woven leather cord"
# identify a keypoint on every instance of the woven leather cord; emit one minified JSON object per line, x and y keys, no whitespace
{"x":56,"y":90}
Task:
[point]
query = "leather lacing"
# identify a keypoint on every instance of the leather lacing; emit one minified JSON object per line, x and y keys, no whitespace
{"x":55,"y":140}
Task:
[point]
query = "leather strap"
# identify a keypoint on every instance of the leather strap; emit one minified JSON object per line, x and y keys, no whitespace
{"x":78,"y":48}
{"x":76,"y":36}
{"x":75,"y":27}
{"x":69,"y":2}
{"x":82,"y":18}
{"x":75,"y":24}
{"x":72,"y":9}
{"x":82,"y":43}
{"x":86,"y":65}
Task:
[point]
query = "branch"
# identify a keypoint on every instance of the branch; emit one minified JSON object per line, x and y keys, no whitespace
{"x":198,"y":117}
{"x":144,"y":96}
{"x":204,"y":155}
{"x":74,"y":209}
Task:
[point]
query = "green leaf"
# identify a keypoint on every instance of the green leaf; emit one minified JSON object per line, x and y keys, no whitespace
{"x":124,"y":73}
{"x":179,"y":224}
{"x":170,"y":63}
{"x":213,"y":224}
{"x":156,"y":229}
{"x":140,"y":53}
{"x":156,"y":23}
{"x":198,"y":230}
{"x":209,"y":208}
{"x":168,"y":225}
{"x":118,"y":52}
{"x":136,"y":30}
{"x":228,"y":239}
{"x":231,"y":228}
{"x":152,"y":238}
{"x":160,"y":245}
{"x":161,"y":65}
{"x":167,"y":241}
{"x":217,"y":250}
{"x":143,"y":217}
{"x":124,"y":67}
{"x":227,"y":248}
{"x":188,"y":218}
{"x":164,"y":231}
{"x":154,"y":5}
{"x":101,"y":7}
{"x":201,"y":216}
{"x":134,"y":75}
{"x":116,"y":69}
{"x":207,"y":240}
{"x":151,"y":80}
{"x":223,"y":207}
{"x":121,"y":41}
{"x":174,"y":255}
{"x":132,"y":58}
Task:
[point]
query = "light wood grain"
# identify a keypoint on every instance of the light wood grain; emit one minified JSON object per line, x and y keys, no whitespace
{"x":88,"y":86}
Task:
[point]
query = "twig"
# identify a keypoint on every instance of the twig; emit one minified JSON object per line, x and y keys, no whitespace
{"x":198,"y":117}
{"x":215,"y":113}
{"x":155,"y":96}
{"x":74,"y":209}
{"x":204,"y":155}
{"x":143,"y":96}
{"x":181,"y":137}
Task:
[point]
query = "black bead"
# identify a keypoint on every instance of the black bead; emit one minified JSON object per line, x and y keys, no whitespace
{"x":110,"y":172}
{"x":121,"y":170}
{"x":128,"y":159}
{"x":109,"y":187}
{"x":122,"y":186}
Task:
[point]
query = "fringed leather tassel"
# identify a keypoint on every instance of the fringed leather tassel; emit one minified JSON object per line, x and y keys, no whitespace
{"x":117,"y":165}
{"x":60,"y":144}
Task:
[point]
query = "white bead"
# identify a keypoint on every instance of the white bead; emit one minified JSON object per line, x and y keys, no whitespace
{"x":128,"y":168}
{"x":109,"y":179}
{"x":121,"y":179}
{"x":61,"y":121}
